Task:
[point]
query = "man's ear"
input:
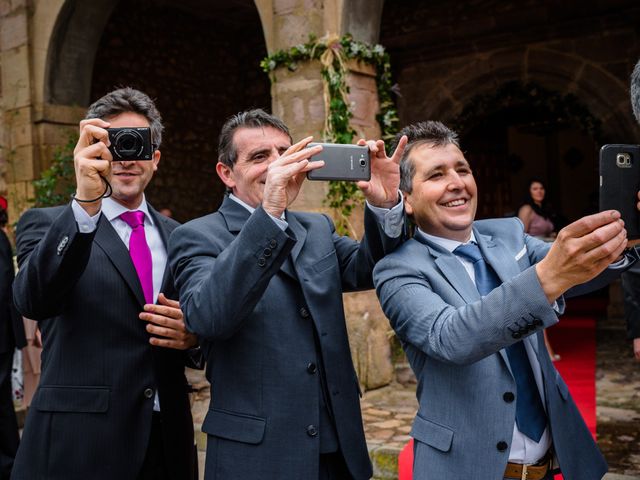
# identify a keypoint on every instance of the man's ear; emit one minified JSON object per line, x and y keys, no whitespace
{"x":226,"y":174}
{"x":408,"y":208}
{"x":156,"y":159}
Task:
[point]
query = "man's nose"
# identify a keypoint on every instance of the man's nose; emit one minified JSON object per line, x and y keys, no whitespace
{"x":455,"y":181}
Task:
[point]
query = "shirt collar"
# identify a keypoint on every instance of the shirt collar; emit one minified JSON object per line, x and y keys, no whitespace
{"x":112,"y":209}
{"x":446,"y":243}
{"x":249,"y":207}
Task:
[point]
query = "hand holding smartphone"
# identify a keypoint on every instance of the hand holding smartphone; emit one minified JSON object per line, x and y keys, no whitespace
{"x":341,"y":162}
{"x":620,"y":183}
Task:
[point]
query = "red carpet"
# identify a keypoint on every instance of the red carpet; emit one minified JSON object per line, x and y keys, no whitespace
{"x":574,"y":339}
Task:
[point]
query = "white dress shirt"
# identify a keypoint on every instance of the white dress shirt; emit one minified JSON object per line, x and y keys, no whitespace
{"x":112,"y":211}
{"x":523,"y":449}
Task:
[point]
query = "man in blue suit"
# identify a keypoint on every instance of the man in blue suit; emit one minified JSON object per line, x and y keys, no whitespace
{"x":469,"y":301}
{"x":262,"y":287}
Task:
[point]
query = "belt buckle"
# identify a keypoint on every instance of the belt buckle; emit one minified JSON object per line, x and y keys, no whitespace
{"x":524,"y":472}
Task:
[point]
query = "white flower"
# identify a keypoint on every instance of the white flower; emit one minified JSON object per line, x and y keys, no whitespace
{"x":378,"y":50}
{"x":272,"y":65}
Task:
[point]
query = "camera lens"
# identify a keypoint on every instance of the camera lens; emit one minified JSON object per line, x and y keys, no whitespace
{"x":363,"y":162}
{"x":128,"y":144}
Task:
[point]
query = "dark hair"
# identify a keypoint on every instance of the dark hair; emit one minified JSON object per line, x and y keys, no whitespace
{"x":543,"y":210}
{"x":129,"y":99}
{"x":635,"y":91}
{"x":4,"y":218}
{"x":431,"y":133}
{"x":256,"y":118}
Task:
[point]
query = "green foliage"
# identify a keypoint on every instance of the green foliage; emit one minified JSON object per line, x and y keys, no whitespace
{"x":56,"y":183}
{"x":342,"y":196}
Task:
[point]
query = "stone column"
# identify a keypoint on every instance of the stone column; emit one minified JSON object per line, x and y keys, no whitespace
{"x":16,"y":133}
{"x":297,"y":98}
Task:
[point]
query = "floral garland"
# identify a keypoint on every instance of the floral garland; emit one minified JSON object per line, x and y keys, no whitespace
{"x":333,"y":52}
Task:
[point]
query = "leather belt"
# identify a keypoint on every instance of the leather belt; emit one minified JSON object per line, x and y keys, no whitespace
{"x":528,"y":472}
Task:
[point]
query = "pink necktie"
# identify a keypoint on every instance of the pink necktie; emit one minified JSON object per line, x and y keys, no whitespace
{"x":140,"y":252}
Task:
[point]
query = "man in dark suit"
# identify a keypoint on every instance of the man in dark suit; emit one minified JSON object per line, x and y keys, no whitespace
{"x":631,"y":278}
{"x":113,"y":399}
{"x":469,"y":300}
{"x":11,"y":336}
{"x":262,"y":285}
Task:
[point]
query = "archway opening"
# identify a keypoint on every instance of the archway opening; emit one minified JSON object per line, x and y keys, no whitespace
{"x":520,"y":132}
{"x":200,"y":62}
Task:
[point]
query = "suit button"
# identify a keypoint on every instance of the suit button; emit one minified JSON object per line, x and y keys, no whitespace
{"x":312,"y":431}
{"x":537,"y":322}
{"x":516,"y":334}
{"x":148,"y":392}
{"x":304,"y":313}
{"x":312,"y":368}
{"x":273,"y":243}
{"x":261,"y":262}
{"x":508,"y":397}
{"x":266,"y":252}
{"x":502,"y":446}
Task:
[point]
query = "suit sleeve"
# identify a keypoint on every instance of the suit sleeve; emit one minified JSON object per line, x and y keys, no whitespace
{"x":52,"y":255}
{"x":631,"y":292}
{"x":461,"y":334}
{"x":220,"y":279}
{"x":358,"y":259}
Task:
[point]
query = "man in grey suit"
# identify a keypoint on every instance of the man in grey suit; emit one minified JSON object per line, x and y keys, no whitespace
{"x":112,"y":402}
{"x":469,"y":301}
{"x":262,"y":286}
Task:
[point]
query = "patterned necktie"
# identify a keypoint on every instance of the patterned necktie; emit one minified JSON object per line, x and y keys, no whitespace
{"x":140,"y":252}
{"x":530,"y":415}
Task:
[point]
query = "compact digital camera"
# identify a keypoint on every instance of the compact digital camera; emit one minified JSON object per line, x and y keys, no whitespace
{"x":130,"y":143}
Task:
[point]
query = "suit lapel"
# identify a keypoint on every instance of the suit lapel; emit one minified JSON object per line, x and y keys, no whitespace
{"x":300,"y":234}
{"x":501,"y":260}
{"x":109,"y":241}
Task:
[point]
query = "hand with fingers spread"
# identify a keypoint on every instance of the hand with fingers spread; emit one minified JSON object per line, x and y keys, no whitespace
{"x":286,"y":174}
{"x":166,"y":322}
{"x":382,"y":189}
{"x":581,"y":251}
{"x":91,"y":160}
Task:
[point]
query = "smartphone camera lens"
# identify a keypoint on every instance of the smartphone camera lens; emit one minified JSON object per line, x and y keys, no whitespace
{"x":363,"y":162}
{"x":623,"y":160}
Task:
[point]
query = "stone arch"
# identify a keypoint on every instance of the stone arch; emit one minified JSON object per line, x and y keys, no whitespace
{"x":72,"y":48}
{"x":83,"y":52}
{"x":603,"y":94}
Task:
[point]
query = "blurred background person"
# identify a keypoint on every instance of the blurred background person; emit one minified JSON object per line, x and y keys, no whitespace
{"x":11,"y":336}
{"x":536,"y":213}
{"x":537,"y":216}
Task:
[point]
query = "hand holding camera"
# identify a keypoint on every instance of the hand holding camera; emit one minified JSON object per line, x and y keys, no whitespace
{"x":92,"y":161}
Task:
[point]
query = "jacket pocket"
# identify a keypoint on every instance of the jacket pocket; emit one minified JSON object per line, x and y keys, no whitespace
{"x":234,"y":426}
{"x":72,"y":399}
{"x":326,"y":262}
{"x":432,"y":434}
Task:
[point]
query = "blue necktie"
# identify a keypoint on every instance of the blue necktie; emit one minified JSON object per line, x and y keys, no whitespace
{"x":530,"y":415}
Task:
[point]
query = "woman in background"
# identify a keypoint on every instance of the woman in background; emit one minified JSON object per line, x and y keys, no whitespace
{"x":536,"y":215}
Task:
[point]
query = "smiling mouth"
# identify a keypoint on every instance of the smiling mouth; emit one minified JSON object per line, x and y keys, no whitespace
{"x":455,"y":203}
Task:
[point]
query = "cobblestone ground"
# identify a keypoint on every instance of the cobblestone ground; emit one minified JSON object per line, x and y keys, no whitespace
{"x":388,"y":411}
{"x":618,"y":399}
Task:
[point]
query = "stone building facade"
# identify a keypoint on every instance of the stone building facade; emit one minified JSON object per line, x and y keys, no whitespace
{"x":534,"y":87}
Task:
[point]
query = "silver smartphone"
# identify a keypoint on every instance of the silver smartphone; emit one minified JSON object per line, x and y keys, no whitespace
{"x":341,"y":162}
